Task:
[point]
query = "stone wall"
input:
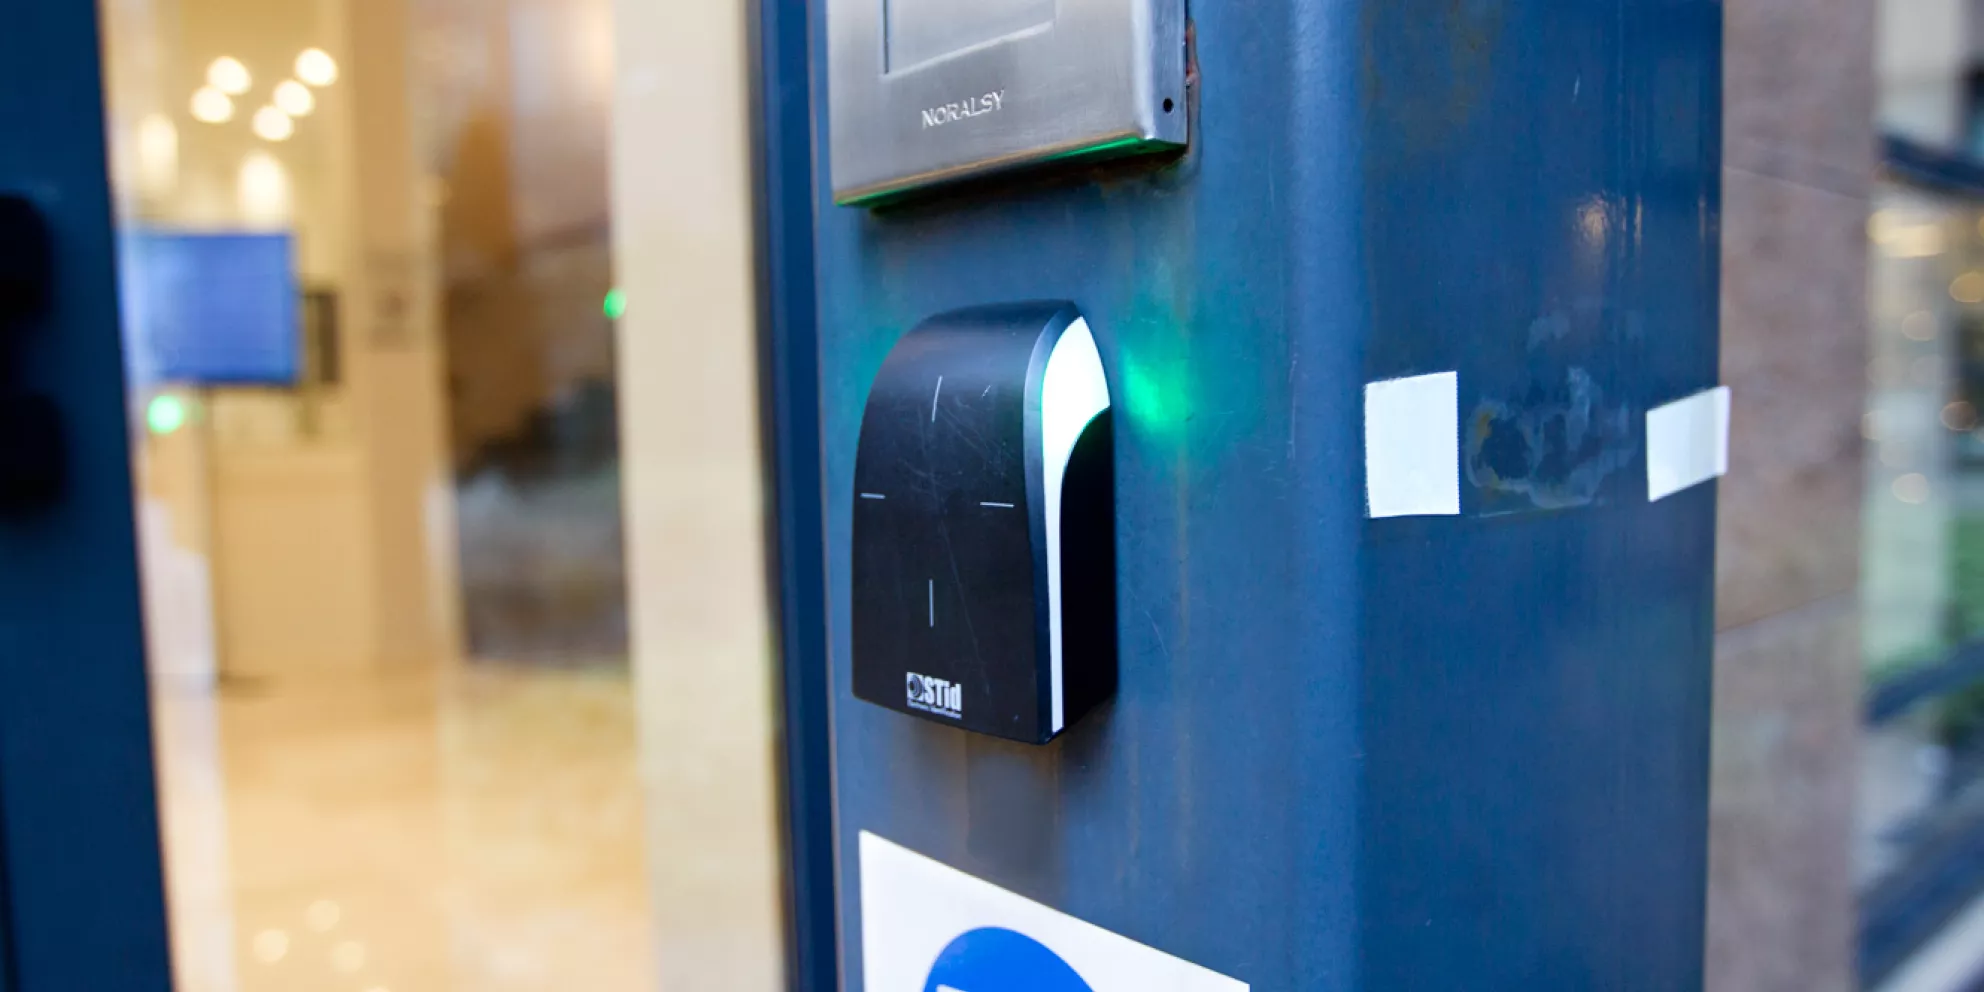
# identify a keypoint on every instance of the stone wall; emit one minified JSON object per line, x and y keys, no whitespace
{"x":1798,"y":161}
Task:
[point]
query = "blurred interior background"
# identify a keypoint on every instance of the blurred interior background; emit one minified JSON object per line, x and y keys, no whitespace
{"x":370,"y":307}
{"x":437,"y":254}
{"x":1848,"y":842}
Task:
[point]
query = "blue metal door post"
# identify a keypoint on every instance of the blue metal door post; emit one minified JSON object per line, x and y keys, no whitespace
{"x":1461,"y":751}
{"x":79,"y":840}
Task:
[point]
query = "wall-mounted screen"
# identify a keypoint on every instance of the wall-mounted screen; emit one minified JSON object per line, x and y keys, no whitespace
{"x":210,"y":308}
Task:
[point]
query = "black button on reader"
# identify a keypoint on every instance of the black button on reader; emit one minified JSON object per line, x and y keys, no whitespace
{"x":984,"y":524}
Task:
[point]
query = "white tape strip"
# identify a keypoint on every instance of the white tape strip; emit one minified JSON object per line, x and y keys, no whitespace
{"x":1412,"y":446}
{"x":1687,"y":442}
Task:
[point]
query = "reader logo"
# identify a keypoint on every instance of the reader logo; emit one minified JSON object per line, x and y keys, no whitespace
{"x":994,"y":959}
{"x":935,"y":695}
{"x":964,"y":110}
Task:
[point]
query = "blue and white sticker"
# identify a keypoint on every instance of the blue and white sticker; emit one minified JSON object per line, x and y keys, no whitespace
{"x":927,"y":927}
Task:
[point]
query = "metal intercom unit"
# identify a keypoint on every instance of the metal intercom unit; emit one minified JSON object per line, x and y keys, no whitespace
{"x":927,"y":91}
{"x":984,"y":524}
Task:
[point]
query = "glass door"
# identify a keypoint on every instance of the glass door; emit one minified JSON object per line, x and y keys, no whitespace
{"x":438,"y":449}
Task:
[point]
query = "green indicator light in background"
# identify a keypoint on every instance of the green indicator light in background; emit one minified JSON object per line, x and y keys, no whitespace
{"x":615,"y":305}
{"x":165,"y":414}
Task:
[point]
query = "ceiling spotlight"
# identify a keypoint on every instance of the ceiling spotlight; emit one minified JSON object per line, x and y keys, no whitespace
{"x":294,"y":98}
{"x":211,"y":106}
{"x":273,"y":125}
{"x":229,"y":76}
{"x":316,"y":67}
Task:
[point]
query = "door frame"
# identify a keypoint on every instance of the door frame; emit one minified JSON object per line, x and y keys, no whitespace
{"x":84,"y":897}
{"x":789,"y":405}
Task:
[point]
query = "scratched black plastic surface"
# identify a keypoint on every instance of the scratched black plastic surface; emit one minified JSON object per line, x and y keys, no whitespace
{"x":944,"y":579}
{"x":949,"y":556}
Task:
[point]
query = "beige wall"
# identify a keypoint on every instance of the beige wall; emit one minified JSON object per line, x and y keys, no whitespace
{"x":694,"y":499}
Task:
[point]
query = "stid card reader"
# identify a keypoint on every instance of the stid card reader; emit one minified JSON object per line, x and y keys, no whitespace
{"x":984,"y":524}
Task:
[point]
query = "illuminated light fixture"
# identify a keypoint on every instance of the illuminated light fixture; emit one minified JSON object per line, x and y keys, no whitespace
{"x":262,"y":190}
{"x":272,"y":124}
{"x":615,"y":305}
{"x":211,"y":106}
{"x":316,"y":67}
{"x":294,"y":98}
{"x":229,"y":76}
{"x":158,"y":155}
{"x":1968,"y":288}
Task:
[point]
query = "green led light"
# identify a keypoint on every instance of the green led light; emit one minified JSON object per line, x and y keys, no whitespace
{"x":165,"y":414}
{"x":1157,"y":398}
{"x":615,"y":305}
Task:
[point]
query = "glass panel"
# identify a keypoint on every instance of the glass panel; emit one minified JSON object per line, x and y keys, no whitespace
{"x":1922,"y":584}
{"x":371,"y":313}
{"x":1919,"y":431}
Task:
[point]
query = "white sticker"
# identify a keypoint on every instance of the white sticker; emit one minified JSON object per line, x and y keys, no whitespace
{"x":1687,"y":442}
{"x":1412,"y":446}
{"x":927,"y":927}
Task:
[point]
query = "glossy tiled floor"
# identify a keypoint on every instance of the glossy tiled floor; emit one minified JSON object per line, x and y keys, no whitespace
{"x":479,"y":828}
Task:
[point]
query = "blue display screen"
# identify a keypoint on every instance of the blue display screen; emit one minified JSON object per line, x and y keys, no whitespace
{"x":210,"y":308}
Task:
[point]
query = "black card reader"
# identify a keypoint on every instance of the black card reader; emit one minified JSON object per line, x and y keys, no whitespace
{"x":984,"y":524}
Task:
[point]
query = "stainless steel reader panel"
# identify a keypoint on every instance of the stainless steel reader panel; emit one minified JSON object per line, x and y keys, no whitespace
{"x":923,"y":92}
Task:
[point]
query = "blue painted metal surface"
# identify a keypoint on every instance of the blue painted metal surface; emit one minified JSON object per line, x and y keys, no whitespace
{"x":789,"y":381}
{"x":78,"y":822}
{"x":1463,"y":752}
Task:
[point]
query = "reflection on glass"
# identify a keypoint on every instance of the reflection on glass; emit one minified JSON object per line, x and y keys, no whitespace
{"x":1922,"y":783}
{"x":373,"y":401}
